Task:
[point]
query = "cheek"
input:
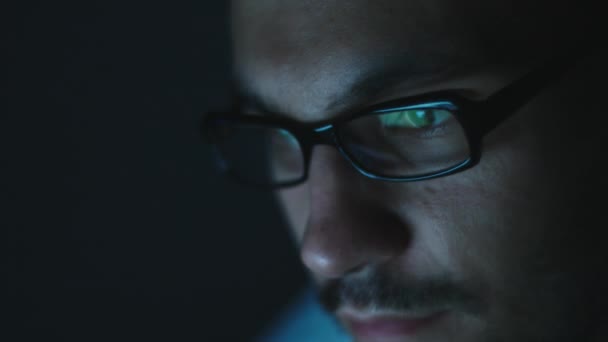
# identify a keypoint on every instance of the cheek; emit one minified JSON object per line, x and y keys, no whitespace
{"x":512,"y":215}
{"x":295,"y":206}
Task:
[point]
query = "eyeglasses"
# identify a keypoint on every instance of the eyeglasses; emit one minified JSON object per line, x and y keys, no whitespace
{"x":410,"y":139}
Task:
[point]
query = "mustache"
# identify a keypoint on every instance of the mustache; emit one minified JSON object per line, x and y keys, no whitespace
{"x":381,"y":290}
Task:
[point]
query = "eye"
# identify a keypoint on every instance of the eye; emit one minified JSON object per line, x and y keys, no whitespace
{"x":415,"y":118}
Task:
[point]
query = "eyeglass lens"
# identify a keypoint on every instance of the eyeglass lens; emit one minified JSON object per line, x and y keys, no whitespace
{"x":393,"y":144}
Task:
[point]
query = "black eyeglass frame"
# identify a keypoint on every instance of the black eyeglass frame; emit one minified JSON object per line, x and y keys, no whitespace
{"x":477,"y":119}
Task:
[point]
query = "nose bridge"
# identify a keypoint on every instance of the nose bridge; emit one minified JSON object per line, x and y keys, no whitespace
{"x":323,"y":135}
{"x":348,"y":226}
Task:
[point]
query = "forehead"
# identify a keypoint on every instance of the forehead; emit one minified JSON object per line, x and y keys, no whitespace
{"x":303,"y":56}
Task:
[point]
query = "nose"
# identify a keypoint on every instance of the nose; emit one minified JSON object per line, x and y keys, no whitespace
{"x":350,"y":226}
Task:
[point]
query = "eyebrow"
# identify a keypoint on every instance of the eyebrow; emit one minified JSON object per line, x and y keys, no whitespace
{"x":370,"y":83}
{"x":373,"y":82}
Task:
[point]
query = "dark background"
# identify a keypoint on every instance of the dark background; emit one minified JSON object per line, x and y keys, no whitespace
{"x":116,"y":226}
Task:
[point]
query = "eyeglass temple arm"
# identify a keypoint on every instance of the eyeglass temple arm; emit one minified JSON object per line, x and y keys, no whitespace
{"x":509,"y":99}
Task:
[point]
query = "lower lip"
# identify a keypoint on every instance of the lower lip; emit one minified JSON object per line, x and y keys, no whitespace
{"x":391,"y":327}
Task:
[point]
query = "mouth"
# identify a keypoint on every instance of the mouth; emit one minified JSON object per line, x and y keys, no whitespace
{"x":378,"y":326}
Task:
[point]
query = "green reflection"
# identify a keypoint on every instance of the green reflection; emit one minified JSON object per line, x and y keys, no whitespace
{"x":415,"y":118}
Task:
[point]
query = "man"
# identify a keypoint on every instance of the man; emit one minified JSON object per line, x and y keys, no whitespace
{"x":438,"y":161}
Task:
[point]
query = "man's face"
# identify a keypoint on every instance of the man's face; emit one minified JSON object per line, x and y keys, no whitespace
{"x":510,"y":250}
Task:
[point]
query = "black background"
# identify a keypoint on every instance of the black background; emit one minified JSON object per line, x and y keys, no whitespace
{"x":116,"y":226}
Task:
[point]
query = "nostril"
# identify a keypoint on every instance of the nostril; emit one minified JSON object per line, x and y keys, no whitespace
{"x":350,"y":239}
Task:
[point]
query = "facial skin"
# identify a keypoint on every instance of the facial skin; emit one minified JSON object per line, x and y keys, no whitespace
{"x":513,"y":249}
